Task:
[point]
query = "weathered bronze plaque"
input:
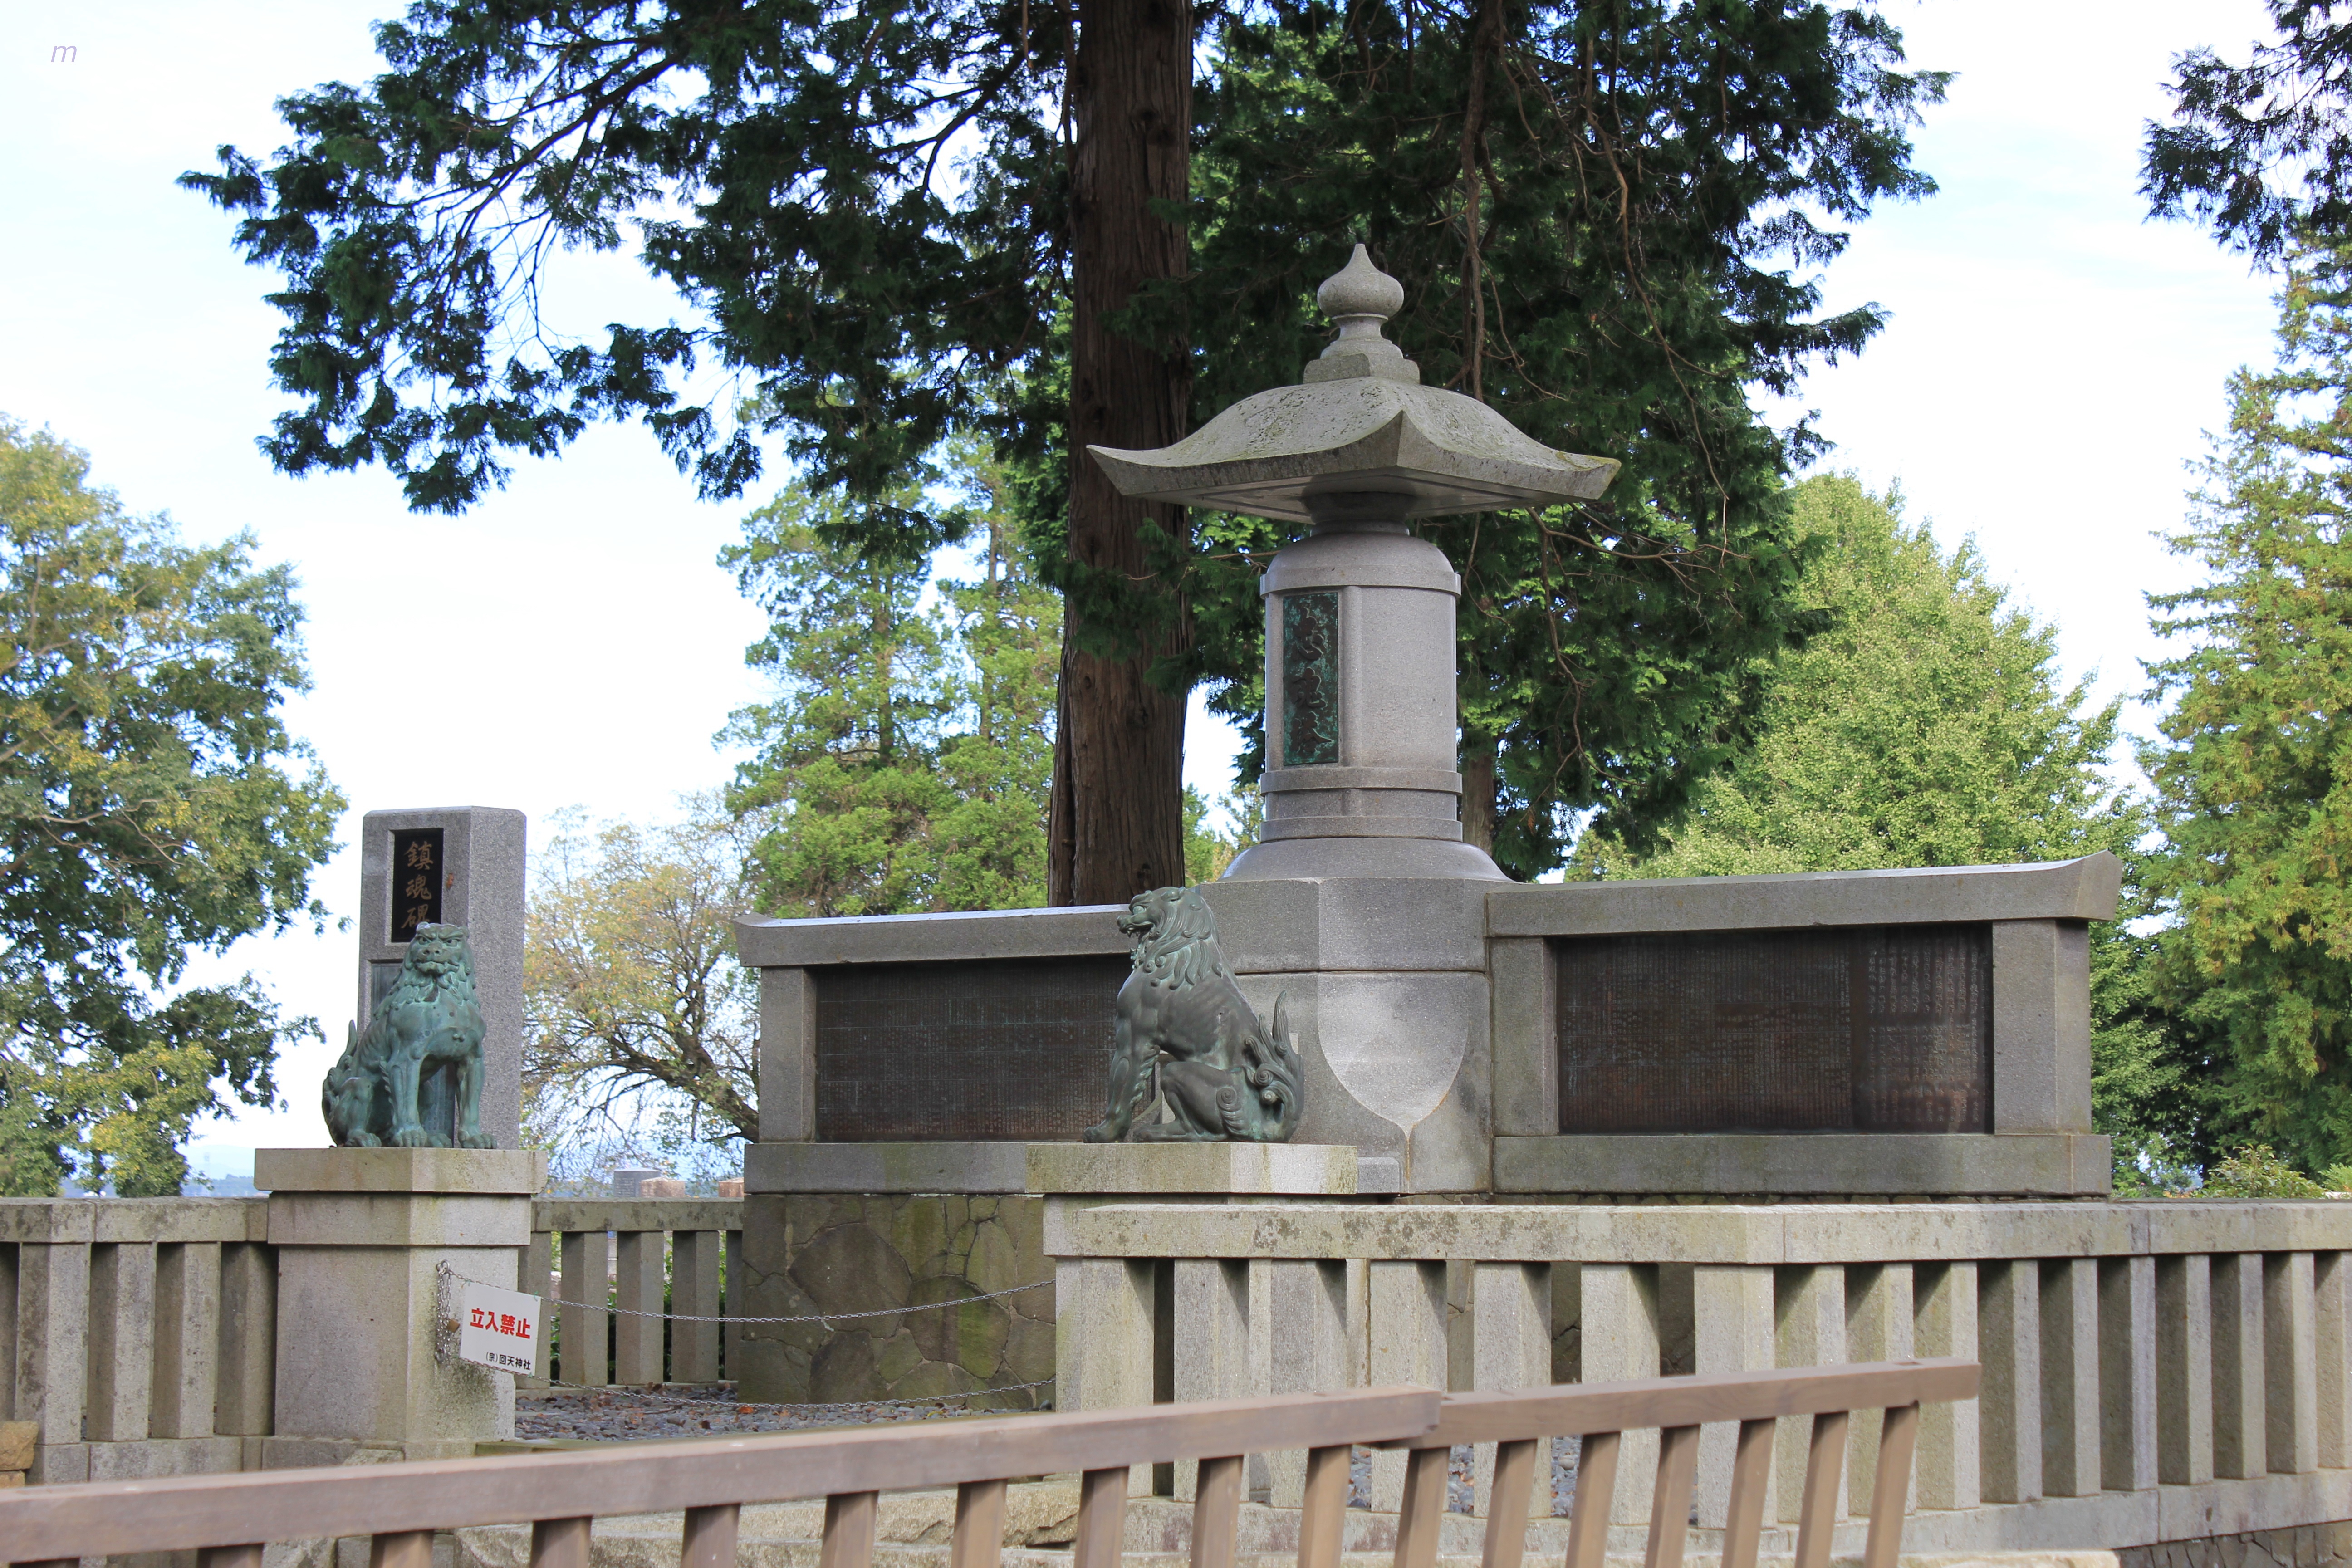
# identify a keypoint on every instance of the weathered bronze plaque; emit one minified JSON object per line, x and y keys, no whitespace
{"x":1869,"y":1029}
{"x":417,"y":875}
{"x":1009,"y":1051}
{"x":1310,"y":679}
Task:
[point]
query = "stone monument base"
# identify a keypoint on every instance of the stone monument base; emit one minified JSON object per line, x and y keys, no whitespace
{"x":361,"y":1235}
{"x":863,"y":1227}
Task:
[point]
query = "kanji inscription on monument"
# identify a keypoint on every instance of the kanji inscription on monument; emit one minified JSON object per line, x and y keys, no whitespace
{"x":1310,"y":679}
{"x":420,"y":873}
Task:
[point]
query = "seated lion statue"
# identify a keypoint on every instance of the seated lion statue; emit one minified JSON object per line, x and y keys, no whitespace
{"x":1181,"y":1017}
{"x":429,"y":1017}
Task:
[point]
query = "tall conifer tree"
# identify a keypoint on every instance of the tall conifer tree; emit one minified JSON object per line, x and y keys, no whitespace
{"x":901,"y":220}
{"x":2255,"y":772}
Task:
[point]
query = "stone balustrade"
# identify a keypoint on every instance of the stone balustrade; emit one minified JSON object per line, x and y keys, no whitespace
{"x":142,"y":1335}
{"x":652,"y":1255}
{"x":2154,"y":1372}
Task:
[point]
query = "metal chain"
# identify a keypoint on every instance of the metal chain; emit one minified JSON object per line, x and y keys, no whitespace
{"x":819,"y":1318}
{"x":678,"y":1402}
{"x":445,"y":1272}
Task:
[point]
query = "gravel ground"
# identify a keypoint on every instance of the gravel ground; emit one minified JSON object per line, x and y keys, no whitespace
{"x":635,"y":1415}
{"x":629,"y":1415}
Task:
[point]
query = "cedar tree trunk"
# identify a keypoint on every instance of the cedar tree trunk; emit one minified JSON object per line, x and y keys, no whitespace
{"x":1117,"y":825}
{"x":1478,"y":791}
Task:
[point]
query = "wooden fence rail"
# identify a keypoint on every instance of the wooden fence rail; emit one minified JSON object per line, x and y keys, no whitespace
{"x":228,"y":1518}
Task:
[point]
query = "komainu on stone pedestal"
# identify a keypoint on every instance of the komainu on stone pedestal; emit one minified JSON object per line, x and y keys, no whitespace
{"x":1181,"y":1018}
{"x":429,"y":1017}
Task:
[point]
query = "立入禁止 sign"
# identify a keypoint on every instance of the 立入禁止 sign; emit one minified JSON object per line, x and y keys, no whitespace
{"x":499,"y":1329}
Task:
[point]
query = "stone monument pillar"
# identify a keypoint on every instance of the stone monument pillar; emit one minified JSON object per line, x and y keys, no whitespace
{"x":1360,"y":904}
{"x":1361,"y":744}
{"x":361,"y":1236}
{"x":460,"y":865}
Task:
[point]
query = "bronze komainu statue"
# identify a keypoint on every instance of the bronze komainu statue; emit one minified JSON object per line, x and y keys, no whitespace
{"x":427,"y":1018}
{"x":1179,"y":1015}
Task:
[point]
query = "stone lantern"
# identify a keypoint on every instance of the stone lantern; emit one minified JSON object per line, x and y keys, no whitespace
{"x":1361,"y":773}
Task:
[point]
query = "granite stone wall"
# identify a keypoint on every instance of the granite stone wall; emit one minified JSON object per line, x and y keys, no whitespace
{"x":908,"y":1257}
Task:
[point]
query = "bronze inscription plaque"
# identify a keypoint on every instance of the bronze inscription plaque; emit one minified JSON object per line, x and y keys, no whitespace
{"x":1870,"y":1029}
{"x":1010,"y":1050}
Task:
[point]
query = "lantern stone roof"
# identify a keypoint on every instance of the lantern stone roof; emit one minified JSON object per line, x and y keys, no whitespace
{"x":1357,"y":436}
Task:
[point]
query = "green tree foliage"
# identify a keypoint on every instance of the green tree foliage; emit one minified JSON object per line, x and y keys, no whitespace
{"x":1927,"y":724}
{"x":2254,"y":771}
{"x":1595,"y":211}
{"x":904,"y":761}
{"x":1603,"y":214}
{"x":1209,"y":847}
{"x":2262,"y":153}
{"x":149,"y":804}
{"x":641,"y":1027}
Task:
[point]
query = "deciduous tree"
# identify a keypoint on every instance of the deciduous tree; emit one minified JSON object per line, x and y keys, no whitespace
{"x":642,"y":1027}
{"x":151,"y":804}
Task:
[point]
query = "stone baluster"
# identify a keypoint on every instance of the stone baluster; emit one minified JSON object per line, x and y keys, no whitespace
{"x":2008,"y":1346}
{"x":1731,"y":1330}
{"x":586,"y":1324}
{"x":1619,"y":1313}
{"x":122,"y":1341}
{"x":1809,"y":1311}
{"x":694,"y":1293}
{"x":2070,"y":1378}
{"x":1406,"y":1334}
{"x":1510,"y":1341}
{"x":637,"y":1290}
{"x":49,"y":1368}
{"x":1305,"y":1302}
{"x":2290,"y":1353}
{"x":731,"y":1341}
{"x":1880,"y":1325}
{"x":1103,"y":1348}
{"x":7,"y":1329}
{"x":1209,"y":1297}
{"x":536,"y":1272}
{"x":245,"y":1393}
{"x":2184,"y":1369}
{"x":1944,"y":1323}
{"x":2127,"y":1340}
{"x":2332,"y":1356}
{"x":187,"y":1340}
{"x":2241,"y":1421}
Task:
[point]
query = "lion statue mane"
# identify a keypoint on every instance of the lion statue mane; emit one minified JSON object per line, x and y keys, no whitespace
{"x":1181,"y":1020}
{"x":430,"y":1016}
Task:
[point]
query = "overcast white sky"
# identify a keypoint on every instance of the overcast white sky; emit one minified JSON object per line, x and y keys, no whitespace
{"x":2051,"y":362}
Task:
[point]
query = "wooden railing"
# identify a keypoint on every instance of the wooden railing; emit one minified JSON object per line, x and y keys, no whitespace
{"x":229,"y":1518}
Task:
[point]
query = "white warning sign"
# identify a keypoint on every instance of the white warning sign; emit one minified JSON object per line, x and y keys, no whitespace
{"x":500,"y":1328}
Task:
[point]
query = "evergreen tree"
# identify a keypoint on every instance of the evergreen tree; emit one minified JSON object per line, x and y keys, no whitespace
{"x":2262,"y":153}
{"x":152,"y":802}
{"x":1595,"y":211}
{"x":904,"y":762}
{"x":904,"y":221}
{"x":2254,"y":771}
